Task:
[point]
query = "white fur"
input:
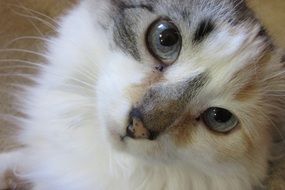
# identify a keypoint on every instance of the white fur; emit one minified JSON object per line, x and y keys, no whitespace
{"x":80,"y":105}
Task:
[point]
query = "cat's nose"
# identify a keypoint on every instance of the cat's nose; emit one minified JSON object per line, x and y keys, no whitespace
{"x":137,"y":129}
{"x":161,"y":106}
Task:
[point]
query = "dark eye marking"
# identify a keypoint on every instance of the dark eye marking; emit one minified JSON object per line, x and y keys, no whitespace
{"x":124,"y":34}
{"x":203,"y":30}
{"x":125,"y":37}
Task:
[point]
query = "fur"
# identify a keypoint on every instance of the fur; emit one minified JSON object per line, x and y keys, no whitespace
{"x":79,"y":108}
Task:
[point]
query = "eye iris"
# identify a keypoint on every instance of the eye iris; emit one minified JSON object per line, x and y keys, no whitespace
{"x":168,"y":37}
{"x":219,"y":119}
{"x":164,"y":41}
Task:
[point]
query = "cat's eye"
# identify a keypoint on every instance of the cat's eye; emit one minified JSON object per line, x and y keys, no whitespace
{"x":164,"y":41}
{"x":219,"y":119}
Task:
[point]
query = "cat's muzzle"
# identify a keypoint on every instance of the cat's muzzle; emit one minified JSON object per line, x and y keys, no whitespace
{"x":154,"y":114}
{"x":161,"y":106}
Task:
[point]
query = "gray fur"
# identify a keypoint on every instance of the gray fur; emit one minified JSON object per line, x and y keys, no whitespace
{"x":190,"y":13}
{"x":162,"y":105}
{"x":124,"y":34}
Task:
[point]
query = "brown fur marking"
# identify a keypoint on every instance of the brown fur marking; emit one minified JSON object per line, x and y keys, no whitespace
{"x":182,"y":129}
{"x":250,"y":88}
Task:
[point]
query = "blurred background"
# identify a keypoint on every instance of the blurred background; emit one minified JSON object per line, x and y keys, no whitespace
{"x":25,"y":23}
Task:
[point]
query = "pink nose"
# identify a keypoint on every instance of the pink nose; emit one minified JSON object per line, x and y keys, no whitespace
{"x":137,"y":129}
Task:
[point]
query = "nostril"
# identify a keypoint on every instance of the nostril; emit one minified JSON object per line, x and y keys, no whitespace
{"x":153,"y":135}
{"x":137,"y":128}
{"x":130,"y":131}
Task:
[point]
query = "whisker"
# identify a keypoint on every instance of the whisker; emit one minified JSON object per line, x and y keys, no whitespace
{"x":19,"y":67}
{"x":275,"y":75}
{"x":79,"y":90}
{"x":36,"y":65}
{"x":32,"y":79}
{"x":30,"y":21}
{"x":23,"y":51}
{"x":15,"y":75}
{"x":85,"y":73}
{"x":28,"y":38}
{"x":81,"y":82}
{"x":48,"y":24}
{"x":276,"y":95}
{"x":36,"y":12}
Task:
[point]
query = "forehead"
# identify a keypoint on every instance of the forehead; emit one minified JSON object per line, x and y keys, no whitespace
{"x":220,"y":37}
{"x":196,"y":19}
{"x":189,"y":9}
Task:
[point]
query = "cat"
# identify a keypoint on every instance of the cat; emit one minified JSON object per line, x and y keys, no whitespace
{"x":150,"y":95}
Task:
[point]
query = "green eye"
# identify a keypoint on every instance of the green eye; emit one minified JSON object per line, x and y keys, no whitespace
{"x":164,"y":41}
{"x":219,"y":119}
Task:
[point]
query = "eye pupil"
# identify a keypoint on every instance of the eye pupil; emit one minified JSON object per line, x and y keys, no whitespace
{"x":221,"y":115}
{"x":168,"y":37}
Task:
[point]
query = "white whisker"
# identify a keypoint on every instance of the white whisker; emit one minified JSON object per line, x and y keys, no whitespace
{"x":23,"y":51}
{"x":16,"y":75}
{"x":28,"y":38}
{"x":18,"y":67}
{"x":34,"y":64}
{"x":48,"y":24}
{"x":36,"y":12}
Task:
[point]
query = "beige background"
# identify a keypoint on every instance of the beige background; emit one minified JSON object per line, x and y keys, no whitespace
{"x":20,"y":18}
{"x":272,"y":14}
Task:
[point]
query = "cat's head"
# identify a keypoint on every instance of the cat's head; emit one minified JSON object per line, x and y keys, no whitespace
{"x":196,"y":80}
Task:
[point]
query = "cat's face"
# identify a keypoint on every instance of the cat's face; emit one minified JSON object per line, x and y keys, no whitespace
{"x":191,"y":74}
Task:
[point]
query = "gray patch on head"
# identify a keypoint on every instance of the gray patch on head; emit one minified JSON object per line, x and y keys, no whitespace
{"x":124,"y":35}
{"x":191,"y":15}
{"x":163,"y":104}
